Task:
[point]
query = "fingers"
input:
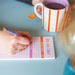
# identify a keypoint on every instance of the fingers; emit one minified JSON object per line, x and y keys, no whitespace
{"x":36,"y":1}
{"x":21,"y":40}
{"x":39,"y":9}
{"x":23,"y":32}
{"x":26,"y":34}
{"x":19,"y":43}
{"x":15,"y":48}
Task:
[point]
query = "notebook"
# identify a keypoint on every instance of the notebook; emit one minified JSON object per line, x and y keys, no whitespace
{"x":39,"y":48}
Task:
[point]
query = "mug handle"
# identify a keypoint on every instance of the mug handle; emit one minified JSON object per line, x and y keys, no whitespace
{"x":35,"y":10}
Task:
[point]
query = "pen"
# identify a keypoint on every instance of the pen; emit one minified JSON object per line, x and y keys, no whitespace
{"x":11,"y":32}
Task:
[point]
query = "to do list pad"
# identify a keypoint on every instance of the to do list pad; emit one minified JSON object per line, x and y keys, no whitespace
{"x":39,"y":48}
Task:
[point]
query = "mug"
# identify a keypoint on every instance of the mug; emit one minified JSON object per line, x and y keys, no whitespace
{"x":51,"y":18}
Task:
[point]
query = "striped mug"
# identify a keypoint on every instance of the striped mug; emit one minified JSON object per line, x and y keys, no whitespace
{"x":51,"y":18}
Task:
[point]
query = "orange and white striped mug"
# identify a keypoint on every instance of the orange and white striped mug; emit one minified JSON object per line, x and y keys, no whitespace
{"x":52,"y":13}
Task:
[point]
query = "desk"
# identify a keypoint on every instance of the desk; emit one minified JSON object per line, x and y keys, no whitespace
{"x":14,"y":14}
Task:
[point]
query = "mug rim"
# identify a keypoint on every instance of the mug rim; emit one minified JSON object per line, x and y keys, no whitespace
{"x":56,"y":9}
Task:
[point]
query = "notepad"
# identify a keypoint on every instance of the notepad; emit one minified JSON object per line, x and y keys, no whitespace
{"x":39,"y":48}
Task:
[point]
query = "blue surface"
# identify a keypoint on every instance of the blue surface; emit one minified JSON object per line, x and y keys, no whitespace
{"x":14,"y":14}
{"x":69,"y":70}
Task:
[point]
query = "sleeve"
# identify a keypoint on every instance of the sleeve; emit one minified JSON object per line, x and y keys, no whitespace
{"x":26,"y":1}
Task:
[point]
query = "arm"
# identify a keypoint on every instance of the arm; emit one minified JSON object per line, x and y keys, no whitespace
{"x":26,"y":1}
{"x":31,"y":2}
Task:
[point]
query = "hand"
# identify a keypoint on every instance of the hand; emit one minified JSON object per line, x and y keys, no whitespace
{"x":36,"y":1}
{"x":39,"y":9}
{"x":12,"y":44}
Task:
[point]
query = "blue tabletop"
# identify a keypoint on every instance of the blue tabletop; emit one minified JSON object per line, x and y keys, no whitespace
{"x":14,"y":15}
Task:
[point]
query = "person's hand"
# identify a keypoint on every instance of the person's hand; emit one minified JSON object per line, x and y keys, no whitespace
{"x":12,"y":44}
{"x":39,"y":9}
{"x":36,"y":1}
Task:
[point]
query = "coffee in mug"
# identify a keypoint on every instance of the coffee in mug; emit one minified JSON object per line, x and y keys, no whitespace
{"x":55,"y":6}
